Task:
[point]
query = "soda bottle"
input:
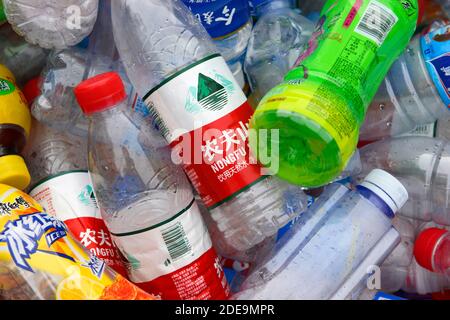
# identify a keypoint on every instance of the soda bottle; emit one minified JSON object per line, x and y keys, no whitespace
{"x":432,"y":250}
{"x":336,"y":234}
{"x":147,"y":202}
{"x":416,"y":90}
{"x":15,"y":122}
{"x":206,"y":123}
{"x":41,"y":261}
{"x":422,"y":165}
{"x":316,"y":112}
{"x":25,"y":60}
{"x":277,"y":39}
{"x":52,"y":25}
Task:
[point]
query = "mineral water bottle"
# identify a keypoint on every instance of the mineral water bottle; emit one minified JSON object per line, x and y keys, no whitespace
{"x":25,"y":60}
{"x":277,"y":40}
{"x":52,"y":24}
{"x":147,"y":201}
{"x":316,"y":113}
{"x":416,"y":90}
{"x":62,"y":185}
{"x":432,"y":250}
{"x":206,"y":122}
{"x":422,"y":164}
{"x":329,"y":243}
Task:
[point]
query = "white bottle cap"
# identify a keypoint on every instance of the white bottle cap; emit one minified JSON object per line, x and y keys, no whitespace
{"x":387,"y":187}
{"x":238,"y":74}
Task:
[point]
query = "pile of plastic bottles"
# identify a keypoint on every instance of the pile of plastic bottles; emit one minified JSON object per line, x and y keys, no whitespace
{"x":224,"y":149}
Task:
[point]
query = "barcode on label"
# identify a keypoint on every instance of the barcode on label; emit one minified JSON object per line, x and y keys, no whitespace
{"x":176,"y":241}
{"x":377,"y":22}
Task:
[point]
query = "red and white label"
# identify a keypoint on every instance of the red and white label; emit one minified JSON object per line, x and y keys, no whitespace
{"x":70,"y":198}
{"x":204,"y":115}
{"x":175,"y":259}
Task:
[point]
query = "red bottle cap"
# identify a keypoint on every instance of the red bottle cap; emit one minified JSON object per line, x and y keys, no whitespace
{"x":32,"y":90}
{"x":425,"y":245}
{"x":100,"y":92}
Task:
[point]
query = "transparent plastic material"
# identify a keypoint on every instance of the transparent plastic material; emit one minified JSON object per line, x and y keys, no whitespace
{"x":154,"y":49}
{"x":406,"y":98}
{"x":52,"y":24}
{"x":25,"y":60}
{"x":233,"y":47}
{"x":326,"y":246}
{"x":423,"y":166}
{"x":420,"y":280}
{"x":277,"y":41}
{"x":441,"y":256}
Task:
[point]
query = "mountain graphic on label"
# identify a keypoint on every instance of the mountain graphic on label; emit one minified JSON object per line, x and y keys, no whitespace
{"x":211,"y":95}
{"x":87,"y":197}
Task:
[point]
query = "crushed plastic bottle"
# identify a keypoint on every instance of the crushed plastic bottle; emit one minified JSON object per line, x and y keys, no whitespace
{"x":147,"y":201}
{"x":52,"y":25}
{"x":246,"y":207}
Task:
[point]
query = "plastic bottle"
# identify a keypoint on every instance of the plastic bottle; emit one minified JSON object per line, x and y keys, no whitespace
{"x":25,"y":60}
{"x":2,"y":14}
{"x":245,"y":209}
{"x":446,"y":6}
{"x":416,"y":90}
{"x":61,"y":184}
{"x":15,"y":123}
{"x":432,"y":250}
{"x":422,"y":281}
{"x":52,"y":25}
{"x":277,"y":40}
{"x":41,"y":261}
{"x":328,"y":246}
{"x":228,"y":22}
{"x":320,"y":106}
{"x":311,"y":9}
{"x":422,"y":165}
{"x":147,"y":202}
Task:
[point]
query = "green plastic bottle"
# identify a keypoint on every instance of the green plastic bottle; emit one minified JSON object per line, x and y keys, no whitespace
{"x":2,"y":13}
{"x":320,"y":106}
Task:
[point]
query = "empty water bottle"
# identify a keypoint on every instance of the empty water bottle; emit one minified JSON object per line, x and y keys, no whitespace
{"x":52,"y":25}
{"x":327,"y":246}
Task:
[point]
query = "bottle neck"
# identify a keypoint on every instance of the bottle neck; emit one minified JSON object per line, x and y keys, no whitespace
{"x":109,"y":112}
{"x":376,"y":200}
{"x":270,"y":6}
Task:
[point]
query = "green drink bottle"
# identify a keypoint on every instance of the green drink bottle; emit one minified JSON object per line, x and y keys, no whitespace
{"x":318,"y":109}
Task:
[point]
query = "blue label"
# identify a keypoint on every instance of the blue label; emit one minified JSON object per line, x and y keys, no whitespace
{"x":436,"y":53}
{"x":384,"y":296}
{"x":220,"y":17}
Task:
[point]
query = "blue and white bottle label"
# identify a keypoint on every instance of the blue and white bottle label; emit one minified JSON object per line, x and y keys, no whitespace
{"x":436,"y":53}
{"x":220,"y":17}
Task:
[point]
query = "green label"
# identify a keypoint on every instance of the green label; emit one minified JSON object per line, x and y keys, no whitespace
{"x":6,"y":87}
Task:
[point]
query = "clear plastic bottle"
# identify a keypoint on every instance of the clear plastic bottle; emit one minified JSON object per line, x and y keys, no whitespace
{"x":416,"y":89}
{"x":422,"y":164}
{"x":147,"y":201}
{"x":25,"y":60}
{"x":327,"y":247}
{"x":422,"y":281}
{"x":432,"y":250}
{"x":277,"y":41}
{"x":61,"y":184}
{"x":245,"y":209}
{"x":52,"y":25}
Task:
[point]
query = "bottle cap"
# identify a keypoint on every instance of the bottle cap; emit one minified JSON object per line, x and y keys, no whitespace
{"x":387,"y":187}
{"x":14,"y":172}
{"x":425,"y":246}
{"x":100,"y":92}
{"x":32,"y":90}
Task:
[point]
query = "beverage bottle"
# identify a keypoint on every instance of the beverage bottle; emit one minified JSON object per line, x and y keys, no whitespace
{"x":422,"y":165}
{"x":207,"y":121}
{"x":25,"y":60}
{"x":416,"y":90}
{"x":335,"y":235}
{"x":61,"y":184}
{"x":52,"y":25}
{"x":316,"y":112}
{"x":15,"y":122}
{"x":2,"y":14}
{"x":229,"y":24}
{"x":277,"y":39}
{"x":147,"y":202}
{"x":311,"y":9}
{"x":41,"y":261}
{"x":422,"y":281}
{"x":432,"y":250}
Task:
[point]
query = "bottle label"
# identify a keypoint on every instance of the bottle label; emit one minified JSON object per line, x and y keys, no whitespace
{"x":37,"y":247}
{"x":206,"y":123}
{"x":175,"y":258}
{"x":423,"y":130}
{"x":70,"y":198}
{"x":436,"y":53}
{"x":220,"y":17}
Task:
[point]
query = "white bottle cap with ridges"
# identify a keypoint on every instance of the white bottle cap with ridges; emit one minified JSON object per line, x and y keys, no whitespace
{"x":387,"y":187}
